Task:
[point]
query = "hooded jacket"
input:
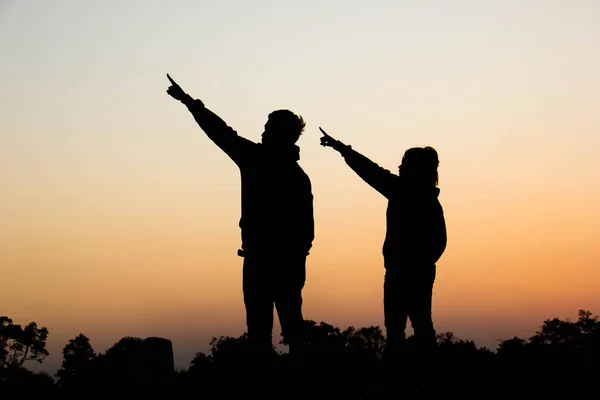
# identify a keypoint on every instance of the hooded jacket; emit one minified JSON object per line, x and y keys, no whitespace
{"x":276,"y":193}
{"x":416,"y":228}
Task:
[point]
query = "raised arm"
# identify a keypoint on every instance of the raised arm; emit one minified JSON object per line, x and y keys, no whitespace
{"x":377,"y":177}
{"x":236,"y":147}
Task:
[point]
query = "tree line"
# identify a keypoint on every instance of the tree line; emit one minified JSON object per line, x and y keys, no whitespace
{"x":562,"y":355}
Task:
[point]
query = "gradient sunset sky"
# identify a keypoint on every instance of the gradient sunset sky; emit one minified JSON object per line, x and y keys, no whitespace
{"x":118,"y":216}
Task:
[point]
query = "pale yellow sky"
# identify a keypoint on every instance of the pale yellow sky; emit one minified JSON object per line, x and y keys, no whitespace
{"x":119,"y":217}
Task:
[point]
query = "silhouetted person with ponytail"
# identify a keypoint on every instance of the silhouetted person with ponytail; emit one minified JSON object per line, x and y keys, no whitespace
{"x":415,"y":240}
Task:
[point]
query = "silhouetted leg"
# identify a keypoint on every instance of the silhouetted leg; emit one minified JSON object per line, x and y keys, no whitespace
{"x":258,"y":299}
{"x":395,"y":314}
{"x":420,"y":311}
{"x":422,"y":323}
{"x":395,"y":318}
{"x":288,"y":300}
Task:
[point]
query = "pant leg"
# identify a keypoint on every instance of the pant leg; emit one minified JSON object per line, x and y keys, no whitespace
{"x":396,"y":374}
{"x":422,"y":323}
{"x":395,"y":310}
{"x":420,"y":309}
{"x":258,"y":300}
{"x":290,"y":280}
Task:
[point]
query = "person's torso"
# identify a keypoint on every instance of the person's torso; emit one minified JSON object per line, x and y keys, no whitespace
{"x":276,"y":199}
{"x":413,"y":225}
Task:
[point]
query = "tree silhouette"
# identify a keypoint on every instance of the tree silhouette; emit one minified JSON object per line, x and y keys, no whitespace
{"x":561,"y":355}
{"x":511,"y":347}
{"x":78,"y":355}
{"x":365,"y":344}
{"x":20,"y":345}
{"x":557,"y":334}
{"x":200,"y":364}
{"x":233,"y":352}
{"x":122,"y":363}
{"x":21,"y":376}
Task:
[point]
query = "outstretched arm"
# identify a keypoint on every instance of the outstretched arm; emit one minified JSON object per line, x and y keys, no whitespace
{"x":215,"y":128}
{"x":377,"y":177}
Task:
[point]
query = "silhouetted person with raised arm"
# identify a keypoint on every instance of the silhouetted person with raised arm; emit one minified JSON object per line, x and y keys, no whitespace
{"x":277,"y":225}
{"x":415,"y":240}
